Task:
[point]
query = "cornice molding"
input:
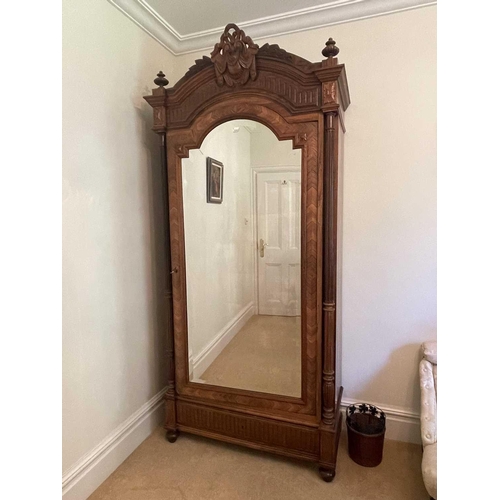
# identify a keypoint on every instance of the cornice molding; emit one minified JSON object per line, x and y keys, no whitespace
{"x":147,"y":19}
{"x":336,"y":12}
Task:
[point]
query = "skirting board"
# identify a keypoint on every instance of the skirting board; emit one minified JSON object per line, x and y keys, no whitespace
{"x":81,"y":480}
{"x":207,"y":356}
{"x":401,"y":425}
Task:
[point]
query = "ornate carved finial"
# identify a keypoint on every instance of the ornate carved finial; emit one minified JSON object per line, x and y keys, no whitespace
{"x":331,"y":50}
{"x":161,"y":81}
{"x":234,"y":57}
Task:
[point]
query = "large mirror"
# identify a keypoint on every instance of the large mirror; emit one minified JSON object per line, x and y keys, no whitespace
{"x":242,"y":224}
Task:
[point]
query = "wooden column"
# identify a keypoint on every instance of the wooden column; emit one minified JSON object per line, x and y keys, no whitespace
{"x":331,"y":419}
{"x":158,"y":101}
{"x":329,"y":428}
{"x":329,"y":268}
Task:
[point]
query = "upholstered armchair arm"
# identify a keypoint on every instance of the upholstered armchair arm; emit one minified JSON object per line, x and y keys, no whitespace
{"x":429,"y":350}
{"x":428,"y":400}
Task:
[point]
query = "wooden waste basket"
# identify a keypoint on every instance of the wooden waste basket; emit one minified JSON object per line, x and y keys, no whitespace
{"x":365,"y":434}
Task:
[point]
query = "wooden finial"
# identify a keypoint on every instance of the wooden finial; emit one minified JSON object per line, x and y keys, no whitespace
{"x":331,"y":50}
{"x":161,"y":81}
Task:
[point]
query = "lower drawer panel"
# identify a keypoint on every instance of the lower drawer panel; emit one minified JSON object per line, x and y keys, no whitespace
{"x":281,"y":436}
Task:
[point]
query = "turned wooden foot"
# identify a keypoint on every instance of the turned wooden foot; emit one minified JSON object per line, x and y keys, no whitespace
{"x":327,"y":474}
{"x":172,"y":436}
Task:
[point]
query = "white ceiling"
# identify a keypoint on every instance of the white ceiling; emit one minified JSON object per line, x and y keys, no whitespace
{"x":190,"y":17}
{"x":184,"y":26}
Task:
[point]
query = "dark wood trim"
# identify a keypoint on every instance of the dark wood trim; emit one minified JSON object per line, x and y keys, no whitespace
{"x":329,"y":271}
{"x":170,"y":394}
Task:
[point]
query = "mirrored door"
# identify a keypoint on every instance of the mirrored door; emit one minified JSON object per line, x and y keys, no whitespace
{"x":242,"y":226}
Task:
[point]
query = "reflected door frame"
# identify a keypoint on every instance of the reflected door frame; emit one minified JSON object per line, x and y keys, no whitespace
{"x":255,"y":170}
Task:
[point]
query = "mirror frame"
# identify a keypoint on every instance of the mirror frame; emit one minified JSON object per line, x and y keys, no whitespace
{"x":305,"y":132}
{"x":299,"y":101}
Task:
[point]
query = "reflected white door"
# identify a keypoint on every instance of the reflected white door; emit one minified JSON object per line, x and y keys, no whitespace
{"x":278,"y":242}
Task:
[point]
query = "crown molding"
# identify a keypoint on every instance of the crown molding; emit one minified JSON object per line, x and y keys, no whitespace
{"x":336,"y":12}
{"x":147,"y":19}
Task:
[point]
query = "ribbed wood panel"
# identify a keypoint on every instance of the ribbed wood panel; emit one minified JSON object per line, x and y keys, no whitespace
{"x":247,"y":428}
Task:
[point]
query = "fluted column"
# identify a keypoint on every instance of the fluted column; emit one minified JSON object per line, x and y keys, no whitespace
{"x":329,"y":270}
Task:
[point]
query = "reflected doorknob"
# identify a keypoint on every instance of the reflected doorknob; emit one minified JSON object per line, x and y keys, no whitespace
{"x":261,"y":247}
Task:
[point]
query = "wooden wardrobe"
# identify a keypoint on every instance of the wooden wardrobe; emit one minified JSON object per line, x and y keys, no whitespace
{"x":302,"y":103}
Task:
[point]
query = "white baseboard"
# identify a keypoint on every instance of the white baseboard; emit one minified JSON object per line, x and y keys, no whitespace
{"x":206,"y":357}
{"x":401,"y":425}
{"x":81,"y":480}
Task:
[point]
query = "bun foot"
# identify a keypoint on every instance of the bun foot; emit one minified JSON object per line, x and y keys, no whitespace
{"x":327,"y":474}
{"x":172,"y":436}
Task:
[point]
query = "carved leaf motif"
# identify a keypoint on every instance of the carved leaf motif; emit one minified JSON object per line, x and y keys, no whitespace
{"x":276,"y":52}
{"x":198,"y":66}
{"x":329,"y":92}
{"x":234,"y":57}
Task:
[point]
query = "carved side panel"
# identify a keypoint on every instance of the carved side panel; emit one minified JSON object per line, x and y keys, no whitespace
{"x":159,"y":117}
{"x":330,"y":93}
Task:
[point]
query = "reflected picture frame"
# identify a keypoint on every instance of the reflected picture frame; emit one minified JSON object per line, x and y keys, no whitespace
{"x":215,"y":178}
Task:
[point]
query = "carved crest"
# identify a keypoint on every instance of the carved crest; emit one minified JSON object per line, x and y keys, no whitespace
{"x":234,"y":57}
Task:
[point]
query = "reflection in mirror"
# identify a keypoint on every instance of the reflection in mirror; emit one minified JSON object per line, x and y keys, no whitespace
{"x":242,"y":210}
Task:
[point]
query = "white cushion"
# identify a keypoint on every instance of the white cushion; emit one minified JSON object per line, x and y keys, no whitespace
{"x":430,"y":351}
{"x":435,"y":375}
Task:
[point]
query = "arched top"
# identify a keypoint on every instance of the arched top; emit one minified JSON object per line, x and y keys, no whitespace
{"x":261,"y":118}
{"x":260,"y":110}
{"x":238,"y":66}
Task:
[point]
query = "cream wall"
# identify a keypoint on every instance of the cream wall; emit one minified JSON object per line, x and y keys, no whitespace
{"x":218,"y":237}
{"x":112,"y":217}
{"x":113,"y":360}
{"x":389,"y":226}
{"x":267,"y":151}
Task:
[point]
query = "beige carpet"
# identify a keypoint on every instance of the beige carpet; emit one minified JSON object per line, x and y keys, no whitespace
{"x":196,"y":468}
{"x":263,"y":356}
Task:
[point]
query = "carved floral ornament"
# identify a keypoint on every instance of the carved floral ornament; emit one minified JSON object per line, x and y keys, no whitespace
{"x":234,"y":57}
{"x":329,"y":92}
